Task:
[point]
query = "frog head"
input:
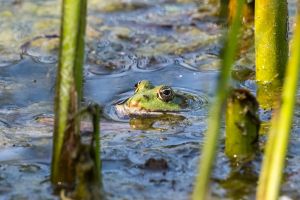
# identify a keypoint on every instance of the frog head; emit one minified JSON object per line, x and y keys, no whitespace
{"x":149,"y":99}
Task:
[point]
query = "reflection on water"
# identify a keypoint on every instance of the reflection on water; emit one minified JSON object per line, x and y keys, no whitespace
{"x":166,"y":42}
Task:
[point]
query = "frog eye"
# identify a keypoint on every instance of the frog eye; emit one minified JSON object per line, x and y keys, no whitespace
{"x":165,"y":93}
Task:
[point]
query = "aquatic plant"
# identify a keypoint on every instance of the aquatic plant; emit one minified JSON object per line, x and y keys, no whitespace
{"x":68,"y":90}
{"x":87,"y":162}
{"x":271,"y":49}
{"x":214,"y":120}
{"x":223,"y":12}
{"x":74,"y":164}
{"x":277,"y":144}
{"x":242,"y":125}
{"x":248,"y":10}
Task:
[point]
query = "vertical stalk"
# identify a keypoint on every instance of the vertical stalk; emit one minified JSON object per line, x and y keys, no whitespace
{"x":80,"y":44}
{"x":242,"y":125}
{"x":224,"y":9}
{"x":68,"y":89}
{"x":271,"y":48}
{"x":96,"y":142}
{"x":248,"y":10}
{"x":88,"y":163}
{"x":210,"y":143}
{"x":276,"y":149}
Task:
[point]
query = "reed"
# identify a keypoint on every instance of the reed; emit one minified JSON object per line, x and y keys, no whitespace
{"x":277,"y":144}
{"x":242,"y":125}
{"x":88,"y":163}
{"x":271,"y":49}
{"x":248,"y":10}
{"x":68,"y":90}
{"x":211,"y":139}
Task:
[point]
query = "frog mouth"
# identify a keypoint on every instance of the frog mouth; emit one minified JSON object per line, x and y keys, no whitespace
{"x":124,"y":110}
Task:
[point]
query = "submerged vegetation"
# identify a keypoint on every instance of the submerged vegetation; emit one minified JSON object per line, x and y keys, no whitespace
{"x":150,"y":134}
{"x":242,"y":125}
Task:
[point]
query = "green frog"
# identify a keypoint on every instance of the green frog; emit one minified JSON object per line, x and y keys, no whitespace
{"x":153,"y":100}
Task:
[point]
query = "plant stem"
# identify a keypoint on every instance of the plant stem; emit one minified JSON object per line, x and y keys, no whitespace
{"x":68,"y":86}
{"x":96,"y":142}
{"x":271,"y":48}
{"x":242,"y":125}
{"x":276,"y":148}
{"x":209,"y":149}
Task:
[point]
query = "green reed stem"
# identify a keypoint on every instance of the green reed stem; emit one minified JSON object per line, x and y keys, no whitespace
{"x":210,"y":143}
{"x":96,"y":142}
{"x":276,"y":148}
{"x":69,"y":79}
{"x":88,"y":162}
{"x":271,"y":49}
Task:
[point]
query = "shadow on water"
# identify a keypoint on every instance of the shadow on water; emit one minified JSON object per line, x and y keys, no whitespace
{"x":154,"y":158}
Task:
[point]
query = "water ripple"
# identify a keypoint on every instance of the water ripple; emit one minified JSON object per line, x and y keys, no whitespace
{"x":151,"y":63}
{"x":42,"y":49}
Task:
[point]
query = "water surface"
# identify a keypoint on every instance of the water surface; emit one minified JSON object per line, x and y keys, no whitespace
{"x":166,"y":42}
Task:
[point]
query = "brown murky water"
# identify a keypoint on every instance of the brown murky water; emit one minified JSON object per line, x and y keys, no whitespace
{"x":166,"y":41}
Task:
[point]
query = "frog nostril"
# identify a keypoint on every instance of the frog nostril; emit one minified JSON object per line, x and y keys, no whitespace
{"x":146,"y":97}
{"x":136,"y":87}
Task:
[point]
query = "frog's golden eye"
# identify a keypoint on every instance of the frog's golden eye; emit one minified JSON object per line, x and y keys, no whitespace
{"x":165,"y":93}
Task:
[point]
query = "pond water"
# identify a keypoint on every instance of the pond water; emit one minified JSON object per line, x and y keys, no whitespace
{"x":169,"y":42}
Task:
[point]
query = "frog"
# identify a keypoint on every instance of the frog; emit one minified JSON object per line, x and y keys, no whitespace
{"x":150,"y":100}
